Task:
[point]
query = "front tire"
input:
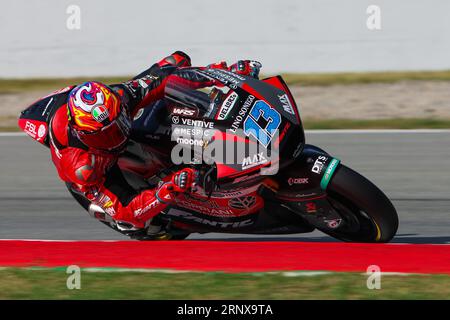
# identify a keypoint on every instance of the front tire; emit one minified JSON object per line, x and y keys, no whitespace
{"x":368,"y":214}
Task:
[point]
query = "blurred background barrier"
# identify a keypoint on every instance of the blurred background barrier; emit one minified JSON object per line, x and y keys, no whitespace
{"x":65,"y":38}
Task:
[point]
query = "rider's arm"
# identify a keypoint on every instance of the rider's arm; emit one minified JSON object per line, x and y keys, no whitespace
{"x":127,"y":208}
{"x":130,"y":210}
{"x":148,"y":86}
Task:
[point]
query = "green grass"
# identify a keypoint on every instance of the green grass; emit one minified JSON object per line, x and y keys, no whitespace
{"x":21,"y":85}
{"x":51,"y":284}
{"x":327,"y":79}
{"x":305,"y":79}
{"x":8,"y":123}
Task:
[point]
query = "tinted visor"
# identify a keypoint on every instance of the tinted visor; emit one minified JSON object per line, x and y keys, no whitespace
{"x":112,"y":137}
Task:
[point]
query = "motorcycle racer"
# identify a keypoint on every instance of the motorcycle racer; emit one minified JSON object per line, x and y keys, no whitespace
{"x":89,"y":132}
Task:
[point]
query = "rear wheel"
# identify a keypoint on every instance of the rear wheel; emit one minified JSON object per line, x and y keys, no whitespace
{"x":367,"y":214}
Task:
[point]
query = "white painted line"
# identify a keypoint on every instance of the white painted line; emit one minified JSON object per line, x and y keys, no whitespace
{"x":142,"y":270}
{"x":12,"y":134}
{"x":298,"y":273}
{"x":305,"y":273}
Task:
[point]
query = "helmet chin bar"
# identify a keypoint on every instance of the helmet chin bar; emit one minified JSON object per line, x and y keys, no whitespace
{"x":118,"y":149}
{"x":110,"y":139}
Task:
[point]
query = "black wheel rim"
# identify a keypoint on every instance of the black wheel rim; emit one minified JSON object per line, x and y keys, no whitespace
{"x":356,"y":224}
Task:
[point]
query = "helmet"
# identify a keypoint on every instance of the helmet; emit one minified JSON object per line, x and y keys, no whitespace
{"x":97,"y":117}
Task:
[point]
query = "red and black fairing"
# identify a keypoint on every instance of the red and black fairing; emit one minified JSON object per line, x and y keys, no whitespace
{"x":231,"y":112}
{"x":35,"y":119}
{"x":236,"y":205}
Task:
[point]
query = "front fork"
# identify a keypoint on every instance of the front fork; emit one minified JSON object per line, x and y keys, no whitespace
{"x":302,"y":187}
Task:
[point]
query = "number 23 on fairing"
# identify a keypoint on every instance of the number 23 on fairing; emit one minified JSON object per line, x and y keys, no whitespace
{"x":252,"y":128}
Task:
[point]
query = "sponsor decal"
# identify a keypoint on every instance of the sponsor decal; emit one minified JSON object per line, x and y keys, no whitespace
{"x":311,"y":207}
{"x":234,"y":193}
{"x":175,"y":119}
{"x":100,"y":113}
{"x":228,"y":74}
{"x":329,"y":173}
{"x":108,"y":204}
{"x":41,"y":131}
{"x":292,"y":181}
{"x":150,"y":206}
{"x":242,"y":203}
{"x":208,"y":222}
{"x":305,"y":195}
{"x":104,"y":201}
{"x":110,"y":211}
{"x":190,"y":142}
{"x":318,"y":164}
{"x":183,"y":131}
{"x":246,"y":177}
{"x":184,"y":112}
{"x":226,"y":77}
{"x":287,"y":106}
{"x":30,"y":129}
{"x":194,"y":123}
{"x":209,"y":208}
{"x":143,"y":83}
{"x":227,"y":105}
{"x":241,"y":114}
{"x":293,"y":195}
{"x":252,"y":161}
{"x":333,"y":223}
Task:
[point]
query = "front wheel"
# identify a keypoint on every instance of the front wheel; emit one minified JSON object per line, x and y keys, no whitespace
{"x":367,"y":214}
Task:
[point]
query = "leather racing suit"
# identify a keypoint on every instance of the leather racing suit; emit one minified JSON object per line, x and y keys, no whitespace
{"x":95,"y":174}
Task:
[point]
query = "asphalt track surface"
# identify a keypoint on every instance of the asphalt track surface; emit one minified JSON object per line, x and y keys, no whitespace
{"x":411,"y":167}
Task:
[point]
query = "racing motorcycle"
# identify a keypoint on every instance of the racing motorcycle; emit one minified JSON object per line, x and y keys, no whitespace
{"x":275,"y":184}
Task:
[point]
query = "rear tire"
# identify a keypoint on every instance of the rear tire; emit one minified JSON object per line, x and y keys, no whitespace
{"x":362,"y":204}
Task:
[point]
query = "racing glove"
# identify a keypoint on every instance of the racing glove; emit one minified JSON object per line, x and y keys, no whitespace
{"x":247,"y":68}
{"x":135,"y":222}
{"x":179,"y":182}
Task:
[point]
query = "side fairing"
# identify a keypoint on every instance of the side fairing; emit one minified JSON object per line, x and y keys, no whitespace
{"x":35,"y":119}
{"x":308,"y":177}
